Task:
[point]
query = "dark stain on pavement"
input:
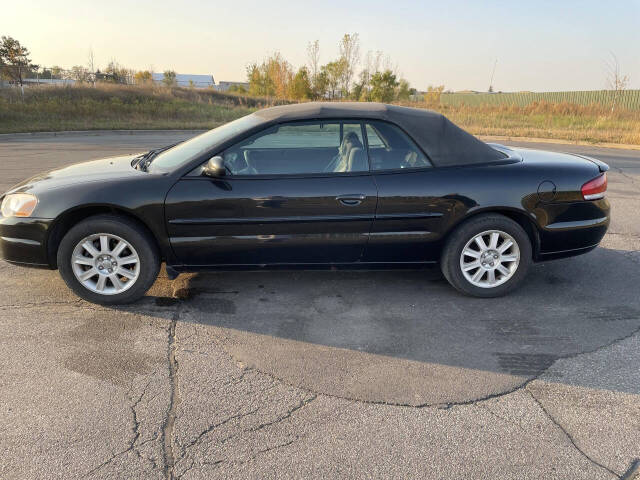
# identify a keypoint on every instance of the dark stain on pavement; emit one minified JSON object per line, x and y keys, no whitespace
{"x":166,"y":301}
{"x":525,"y":364}
{"x":214,"y":305}
{"x":555,"y":280}
{"x":612,"y":313}
{"x":105,"y":347}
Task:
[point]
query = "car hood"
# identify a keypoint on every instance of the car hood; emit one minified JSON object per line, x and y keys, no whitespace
{"x":101,"y":170}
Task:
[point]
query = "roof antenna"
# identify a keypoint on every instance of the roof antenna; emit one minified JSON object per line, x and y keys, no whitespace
{"x":492,"y":74}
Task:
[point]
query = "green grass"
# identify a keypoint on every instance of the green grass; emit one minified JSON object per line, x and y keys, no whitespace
{"x":149,"y":107}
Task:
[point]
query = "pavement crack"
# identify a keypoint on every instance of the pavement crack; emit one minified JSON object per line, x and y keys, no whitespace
{"x":268,"y":449}
{"x":136,"y":435}
{"x":523,"y":385}
{"x":500,"y":417}
{"x":633,"y":472}
{"x":570,"y":437}
{"x":303,"y":403}
{"x":174,"y":401}
{"x":212,"y":427}
{"x":202,"y":435}
{"x":240,"y":462}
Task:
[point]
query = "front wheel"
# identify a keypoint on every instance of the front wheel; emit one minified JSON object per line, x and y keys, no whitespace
{"x":487,"y":256}
{"x":108,"y":260}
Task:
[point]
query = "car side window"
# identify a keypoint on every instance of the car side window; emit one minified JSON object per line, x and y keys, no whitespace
{"x":391,"y":149}
{"x":373,"y":138}
{"x":300,"y":148}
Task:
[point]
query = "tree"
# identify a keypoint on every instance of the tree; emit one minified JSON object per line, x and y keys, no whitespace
{"x":433,"y":94}
{"x":300,"y":88}
{"x":56,"y":72}
{"x":334,"y":74}
{"x":404,"y":91}
{"x":616,"y":81}
{"x":116,"y":73}
{"x":321,"y":85}
{"x":258,"y":82}
{"x":350,"y":55}
{"x":279,"y":72}
{"x":383,"y":86}
{"x":374,"y":63}
{"x":14,"y":60}
{"x":359,"y":91}
{"x":91,"y":66}
{"x":239,"y":89}
{"x":363,"y":87}
{"x":313,"y":56}
{"x":169,"y":78}
{"x":143,"y":77}
{"x":271,"y":78}
{"x":79,"y":73}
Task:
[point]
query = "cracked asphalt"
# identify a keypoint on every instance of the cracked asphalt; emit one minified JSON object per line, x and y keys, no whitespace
{"x":324,"y":374}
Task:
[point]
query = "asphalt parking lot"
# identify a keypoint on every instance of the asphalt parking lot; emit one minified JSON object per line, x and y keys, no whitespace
{"x":324,"y":374}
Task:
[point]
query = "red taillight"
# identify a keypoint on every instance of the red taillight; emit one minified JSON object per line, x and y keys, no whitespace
{"x":594,"y":189}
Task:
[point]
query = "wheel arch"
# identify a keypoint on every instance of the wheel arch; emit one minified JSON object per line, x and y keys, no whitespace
{"x":66,"y":220}
{"x":519,"y":216}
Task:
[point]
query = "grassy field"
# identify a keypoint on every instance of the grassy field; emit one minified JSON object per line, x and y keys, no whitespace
{"x":128,"y":107}
{"x":563,"y":121}
{"x":628,"y":99}
{"x":118,"y":107}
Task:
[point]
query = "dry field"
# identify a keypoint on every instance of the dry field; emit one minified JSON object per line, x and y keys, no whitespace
{"x":151,"y":107}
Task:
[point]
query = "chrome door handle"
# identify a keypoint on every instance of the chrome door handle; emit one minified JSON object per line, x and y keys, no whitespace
{"x":352,"y":199}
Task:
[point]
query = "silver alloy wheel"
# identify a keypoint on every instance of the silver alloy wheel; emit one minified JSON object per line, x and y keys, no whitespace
{"x":105,"y":263}
{"x":490,"y":259}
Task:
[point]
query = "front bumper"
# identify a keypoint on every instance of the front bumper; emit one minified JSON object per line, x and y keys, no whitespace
{"x":24,"y":241}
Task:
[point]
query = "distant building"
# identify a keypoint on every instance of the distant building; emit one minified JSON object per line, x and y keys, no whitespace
{"x":188,"y":80}
{"x":225,"y":86}
{"x":48,"y":81}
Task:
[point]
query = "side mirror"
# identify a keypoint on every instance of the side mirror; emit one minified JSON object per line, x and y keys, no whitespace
{"x":214,"y":167}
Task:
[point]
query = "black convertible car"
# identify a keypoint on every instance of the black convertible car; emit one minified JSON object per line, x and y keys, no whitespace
{"x":309,"y":186}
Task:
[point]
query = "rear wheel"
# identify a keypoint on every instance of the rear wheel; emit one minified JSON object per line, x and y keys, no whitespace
{"x":487,"y":256}
{"x":108,"y":259}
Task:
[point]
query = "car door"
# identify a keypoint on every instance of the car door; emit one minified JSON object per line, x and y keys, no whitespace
{"x":291,"y":195}
{"x":413,"y":200}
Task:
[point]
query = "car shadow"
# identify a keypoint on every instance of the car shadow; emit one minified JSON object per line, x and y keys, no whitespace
{"x":407,"y":337}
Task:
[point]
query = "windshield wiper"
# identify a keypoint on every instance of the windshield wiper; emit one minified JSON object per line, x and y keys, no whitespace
{"x":143,"y":161}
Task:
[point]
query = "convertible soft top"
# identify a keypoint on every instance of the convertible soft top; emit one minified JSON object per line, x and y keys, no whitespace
{"x":445,"y":143}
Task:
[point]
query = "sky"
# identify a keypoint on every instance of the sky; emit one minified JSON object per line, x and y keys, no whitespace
{"x":539,"y":45}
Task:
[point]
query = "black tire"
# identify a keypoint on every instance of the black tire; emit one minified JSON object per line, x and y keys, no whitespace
{"x":131,"y":232}
{"x":450,"y":261}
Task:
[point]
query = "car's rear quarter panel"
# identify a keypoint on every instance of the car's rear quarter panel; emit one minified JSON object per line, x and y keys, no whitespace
{"x":417,"y":210}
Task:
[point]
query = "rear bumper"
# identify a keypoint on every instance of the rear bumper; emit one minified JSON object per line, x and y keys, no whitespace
{"x":567,"y":236}
{"x":23,"y":241}
{"x":564,"y":253}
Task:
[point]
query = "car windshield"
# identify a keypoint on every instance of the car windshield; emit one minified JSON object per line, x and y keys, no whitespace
{"x":180,"y":154}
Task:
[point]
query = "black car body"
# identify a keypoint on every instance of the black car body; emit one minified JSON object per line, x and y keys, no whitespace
{"x":274,"y":207}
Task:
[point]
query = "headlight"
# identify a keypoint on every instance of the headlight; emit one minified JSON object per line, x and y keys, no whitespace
{"x":18,"y":205}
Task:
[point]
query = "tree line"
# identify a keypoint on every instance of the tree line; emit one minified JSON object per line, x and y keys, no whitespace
{"x":347,"y":77}
{"x":16,"y":66}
